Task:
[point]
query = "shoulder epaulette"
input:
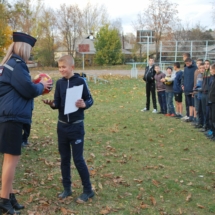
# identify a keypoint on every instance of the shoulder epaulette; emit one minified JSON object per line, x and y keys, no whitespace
{"x":17,"y":60}
{"x":8,"y":67}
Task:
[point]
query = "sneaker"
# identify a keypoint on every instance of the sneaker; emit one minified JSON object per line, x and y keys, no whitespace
{"x":168,"y":114}
{"x":24,"y":144}
{"x":154,"y":111}
{"x":65,"y":193}
{"x":144,"y":109}
{"x":185,"y":118}
{"x":84,"y":197}
{"x":172,"y":115}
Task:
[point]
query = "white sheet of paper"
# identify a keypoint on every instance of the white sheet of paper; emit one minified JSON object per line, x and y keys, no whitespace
{"x":72,"y":95}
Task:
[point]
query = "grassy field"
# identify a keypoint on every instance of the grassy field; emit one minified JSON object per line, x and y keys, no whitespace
{"x":140,"y":163}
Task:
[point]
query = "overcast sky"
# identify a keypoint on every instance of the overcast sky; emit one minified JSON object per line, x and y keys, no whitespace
{"x":190,"y":11}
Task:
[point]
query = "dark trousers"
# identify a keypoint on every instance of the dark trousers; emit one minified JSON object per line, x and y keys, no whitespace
{"x":187,"y":106}
{"x":71,"y":142}
{"x":212,"y":117}
{"x":205,"y":109}
{"x":200,"y":113}
{"x":162,"y":101}
{"x":150,"y":88}
{"x":26,"y":132}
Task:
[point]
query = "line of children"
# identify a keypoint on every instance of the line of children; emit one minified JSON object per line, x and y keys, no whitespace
{"x":197,"y":82}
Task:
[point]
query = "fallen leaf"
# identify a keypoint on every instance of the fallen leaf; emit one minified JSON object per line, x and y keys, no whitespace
{"x":100,"y":185}
{"x":200,"y":206}
{"x":64,"y":211}
{"x":189,"y":197}
{"x":92,"y":155}
{"x":144,"y":206}
{"x":153,"y":201}
{"x":104,"y":211}
{"x":156,"y":183}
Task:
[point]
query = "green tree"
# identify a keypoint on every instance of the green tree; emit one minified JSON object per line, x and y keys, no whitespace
{"x":108,"y":46}
{"x":5,"y":31}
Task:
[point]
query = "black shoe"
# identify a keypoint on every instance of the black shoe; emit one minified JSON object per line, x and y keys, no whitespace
{"x":213,"y":138}
{"x":15,"y":203}
{"x":84,"y":197}
{"x":65,"y":193}
{"x":6,"y":207}
{"x":24,"y":144}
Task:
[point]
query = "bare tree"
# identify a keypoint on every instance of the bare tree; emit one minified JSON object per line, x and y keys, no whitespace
{"x":23,"y":15}
{"x":94,"y":16}
{"x":47,"y":31}
{"x":70,"y":25}
{"x":117,"y":24}
{"x":160,"y":16}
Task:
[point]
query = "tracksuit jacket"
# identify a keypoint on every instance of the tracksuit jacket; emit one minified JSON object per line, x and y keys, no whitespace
{"x":60,"y":96}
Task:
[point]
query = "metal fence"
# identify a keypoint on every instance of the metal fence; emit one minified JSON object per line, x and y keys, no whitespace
{"x":172,"y":51}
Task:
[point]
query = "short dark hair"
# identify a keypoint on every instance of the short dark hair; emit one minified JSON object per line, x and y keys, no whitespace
{"x":186,"y":54}
{"x":199,"y":59}
{"x":201,"y":64}
{"x":151,"y":58}
{"x":188,"y":60}
{"x":156,"y":65}
{"x":207,"y":61}
{"x":177,"y":65}
{"x":169,"y":67}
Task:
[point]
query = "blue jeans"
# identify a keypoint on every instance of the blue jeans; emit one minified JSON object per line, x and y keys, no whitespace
{"x":162,"y":101}
{"x":169,"y":101}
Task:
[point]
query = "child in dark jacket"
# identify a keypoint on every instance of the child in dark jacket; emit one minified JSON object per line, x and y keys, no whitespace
{"x":187,"y":85}
{"x":198,"y":91}
{"x":211,"y":98}
{"x":177,"y":90}
{"x":160,"y":87}
{"x":70,"y":128}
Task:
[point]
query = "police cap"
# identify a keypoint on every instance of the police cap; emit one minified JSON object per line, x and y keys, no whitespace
{"x":22,"y":37}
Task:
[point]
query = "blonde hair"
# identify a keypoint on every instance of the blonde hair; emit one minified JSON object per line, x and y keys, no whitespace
{"x":20,"y":48}
{"x":68,"y":59}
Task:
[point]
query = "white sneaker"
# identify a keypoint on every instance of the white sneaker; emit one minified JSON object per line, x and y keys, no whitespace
{"x":185,"y":118}
{"x":144,"y":109}
{"x":154,"y":111}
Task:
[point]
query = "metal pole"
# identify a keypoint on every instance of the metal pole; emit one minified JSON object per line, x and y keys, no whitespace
{"x":147,"y":50}
{"x":206,"y":50}
{"x":191,"y":49}
{"x":176,"y":50}
{"x":160,"y":52}
{"x":83,"y":60}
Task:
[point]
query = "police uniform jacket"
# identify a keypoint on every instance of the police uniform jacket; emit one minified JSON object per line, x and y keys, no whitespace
{"x":60,"y":97}
{"x":17,"y":91}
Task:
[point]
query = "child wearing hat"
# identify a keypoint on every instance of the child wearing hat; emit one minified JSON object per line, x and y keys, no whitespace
{"x":16,"y":99}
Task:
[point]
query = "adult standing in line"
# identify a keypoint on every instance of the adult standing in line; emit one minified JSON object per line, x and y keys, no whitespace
{"x":16,"y":100}
{"x":150,"y":86}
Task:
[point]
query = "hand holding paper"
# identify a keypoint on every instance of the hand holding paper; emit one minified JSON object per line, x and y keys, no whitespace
{"x":72,"y":96}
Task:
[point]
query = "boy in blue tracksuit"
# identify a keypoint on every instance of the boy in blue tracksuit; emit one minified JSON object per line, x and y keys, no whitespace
{"x":177,"y":89}
{"x":70,"y":128}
